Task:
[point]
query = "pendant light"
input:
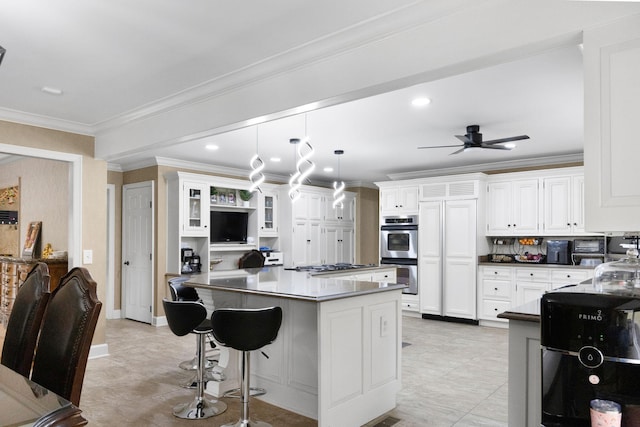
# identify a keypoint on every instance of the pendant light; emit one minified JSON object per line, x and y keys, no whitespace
{"x":2,"y":52}
{"x":338,"y":187}
{"x":304,"y":166}
{"x":257,"y":165}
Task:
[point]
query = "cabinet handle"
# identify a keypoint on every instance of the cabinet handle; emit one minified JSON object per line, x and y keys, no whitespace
{"x":569,"y":224}
{"x":495,"y":289}
{"x":531,"y":274}
{"x":568,"y":276}
{"x":575,"y":224}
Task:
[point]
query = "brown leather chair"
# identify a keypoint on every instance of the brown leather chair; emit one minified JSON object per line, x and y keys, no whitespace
{"x":251,"y":259}
{"x":24,"y":322}
{"x":66,"y":334}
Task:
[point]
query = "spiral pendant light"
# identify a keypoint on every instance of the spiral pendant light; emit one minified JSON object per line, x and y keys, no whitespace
{"x":257,"y":165}
{"x":338,"y":186}
{"x":304,"y":166}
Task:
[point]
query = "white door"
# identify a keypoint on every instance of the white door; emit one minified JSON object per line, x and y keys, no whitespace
{"x":137,"y":251}
{"x":430,"y":252}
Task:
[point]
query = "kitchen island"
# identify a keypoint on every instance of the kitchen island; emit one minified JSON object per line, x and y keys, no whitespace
{"x":337,"y":355}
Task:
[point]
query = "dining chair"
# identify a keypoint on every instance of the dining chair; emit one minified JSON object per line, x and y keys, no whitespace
{"x":65,"y":338}
{"x":25,"y":319}
{"x":252,"y":259}
{"x":246,"y":330}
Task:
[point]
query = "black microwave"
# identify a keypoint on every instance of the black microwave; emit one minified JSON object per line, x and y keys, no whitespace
{"x":588,"y":246}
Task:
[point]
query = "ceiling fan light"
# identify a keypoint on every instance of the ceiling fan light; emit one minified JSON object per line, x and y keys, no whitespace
{"x":510,"y":145}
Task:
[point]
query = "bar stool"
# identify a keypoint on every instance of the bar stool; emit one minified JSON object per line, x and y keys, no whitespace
{"x":186,"y":317}
{"x":179,"y":292}
{"x":245,"y":330}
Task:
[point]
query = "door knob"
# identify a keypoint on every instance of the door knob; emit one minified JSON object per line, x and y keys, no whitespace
{"x":126,"y":263}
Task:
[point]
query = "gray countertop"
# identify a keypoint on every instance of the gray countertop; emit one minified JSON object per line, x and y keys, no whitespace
{"x":278,"y":282}
{"x":534,"y":265}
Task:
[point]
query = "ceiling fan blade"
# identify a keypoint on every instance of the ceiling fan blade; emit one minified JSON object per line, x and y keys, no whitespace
{"x":495,"y":147}
{"x":440,"y":146}
{"x":458,"y":151}
{"x":500,"y":141}
{"x":464,"y":138}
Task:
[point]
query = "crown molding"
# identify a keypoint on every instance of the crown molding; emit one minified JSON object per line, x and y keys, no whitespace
{"x":536,"y":162}
{"x":45,"y":122}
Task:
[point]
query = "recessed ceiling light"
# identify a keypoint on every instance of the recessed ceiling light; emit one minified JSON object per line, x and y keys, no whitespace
{"x":51,"y":90}
{"x":328,"y":169}
{"x":211,"y":147}
{"x":420,"y":102}
{"x":275,"y":159}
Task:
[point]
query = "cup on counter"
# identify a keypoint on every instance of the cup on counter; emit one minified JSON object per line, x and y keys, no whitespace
{"x":605,"y":413}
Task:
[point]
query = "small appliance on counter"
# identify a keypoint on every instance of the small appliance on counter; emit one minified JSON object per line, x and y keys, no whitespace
{"x":559,"y":252}
{"x":588,"y":252}
{"x":190,"y":261}
{"x":272,"y":257}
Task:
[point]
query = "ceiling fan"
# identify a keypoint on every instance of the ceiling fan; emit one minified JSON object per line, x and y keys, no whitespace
{"x":473,"y":139}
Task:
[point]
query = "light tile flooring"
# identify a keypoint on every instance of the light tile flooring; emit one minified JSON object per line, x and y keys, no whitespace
{"x":453,"y":375}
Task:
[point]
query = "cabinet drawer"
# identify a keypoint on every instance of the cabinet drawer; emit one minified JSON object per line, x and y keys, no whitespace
{"x":502,"y":273}
{"x":409,"y":306}
{"x":532,"y":274}
{"x":570,"y":276}
{"x":491,"y":308}
{"x":496,"y":289}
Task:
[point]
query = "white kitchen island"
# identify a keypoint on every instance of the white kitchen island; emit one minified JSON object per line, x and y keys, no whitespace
{"x":337,"y":355}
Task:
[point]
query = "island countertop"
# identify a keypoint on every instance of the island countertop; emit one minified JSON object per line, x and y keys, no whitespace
{"x":276,"y":281}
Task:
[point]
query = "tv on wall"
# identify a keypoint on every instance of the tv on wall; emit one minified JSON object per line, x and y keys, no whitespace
{"x":228,"y":227}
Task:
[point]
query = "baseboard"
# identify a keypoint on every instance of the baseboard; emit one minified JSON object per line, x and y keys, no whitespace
{"x":450,"y":319}
{"x":159,"y":321}
{"x":98,"y":350}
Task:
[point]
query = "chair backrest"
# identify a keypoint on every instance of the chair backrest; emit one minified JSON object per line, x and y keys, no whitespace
{"x":25,"y":320}
{"x":251,"y":259}
{"x":66,"y":334}
{"x":246,"y":329}
{"x":183,"y":316}
{"x":179,"y":292}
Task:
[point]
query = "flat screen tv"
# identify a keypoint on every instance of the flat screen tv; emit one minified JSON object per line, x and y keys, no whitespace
{"x":228,"y":227}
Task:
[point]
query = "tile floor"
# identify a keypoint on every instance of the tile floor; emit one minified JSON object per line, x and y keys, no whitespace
{"x":453,"y":375}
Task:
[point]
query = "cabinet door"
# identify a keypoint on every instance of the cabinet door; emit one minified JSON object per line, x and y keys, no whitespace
{"x":460,"y":288}
{"x":499,"y":209}
{"x":430,"y":252}
{"x":299,"y":244}
{"x":347,"y":246}
{"x":195,"y":209}
{"x":525,"y":207}
{"x":268,"y":214}
{"x":408,"y":199}
{"x":529,"y":291}
{"x":577,"y":204}
{"x":460,"y":229}
{"x":557,"y":205}
{"x":315,"y":243}
{"x":389,"y":202}
{"x":346,"y":213}
{"x":332,"y":252}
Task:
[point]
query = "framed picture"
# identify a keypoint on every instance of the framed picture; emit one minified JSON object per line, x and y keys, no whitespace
{"x":231,"y":197}
{"x":32,"y":241}
{"x":222,"y":197}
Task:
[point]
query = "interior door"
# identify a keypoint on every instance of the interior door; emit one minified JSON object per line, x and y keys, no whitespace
{"x":137,"y":251}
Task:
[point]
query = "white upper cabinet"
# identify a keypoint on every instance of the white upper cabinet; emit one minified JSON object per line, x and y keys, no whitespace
{"x":513,"y":207}
{"x":563,"y":205}
{"x":195,"y":209}
{"x":346,"y":213}
{"x":611,"y":150}
{"x":268,"y":213}
{"x":401,"y":200}
{"x":309,"y":206}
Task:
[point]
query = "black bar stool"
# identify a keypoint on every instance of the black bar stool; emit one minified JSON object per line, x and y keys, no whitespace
{"x":179,"y":292}
{"x":186,"y":317}
{"x":245,"y":330}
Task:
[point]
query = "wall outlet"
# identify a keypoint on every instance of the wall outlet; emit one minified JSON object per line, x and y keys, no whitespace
{"x":87,"y":256}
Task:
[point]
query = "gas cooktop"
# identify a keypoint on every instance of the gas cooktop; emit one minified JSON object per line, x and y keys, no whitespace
{"x":330,"y":267}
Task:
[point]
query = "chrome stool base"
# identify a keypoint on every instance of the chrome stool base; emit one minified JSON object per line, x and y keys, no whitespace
{"x":248,"y":423}
{"x":234,"y":393}
{"x":208,"y":376}
{"x":199,"y":409}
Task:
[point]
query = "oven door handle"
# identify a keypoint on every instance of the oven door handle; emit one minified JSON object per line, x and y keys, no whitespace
{"x":398,"y":228}
{"x":399,"y":261}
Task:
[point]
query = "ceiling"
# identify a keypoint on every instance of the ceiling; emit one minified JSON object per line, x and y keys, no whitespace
{"x":113,"y":59}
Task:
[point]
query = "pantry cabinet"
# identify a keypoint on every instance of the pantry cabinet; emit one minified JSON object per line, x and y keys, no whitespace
{"x":307,"y":243}
{"x":513,"y":207}
{"x":340,"y":244}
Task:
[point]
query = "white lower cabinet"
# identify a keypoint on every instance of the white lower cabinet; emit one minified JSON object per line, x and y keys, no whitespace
{"x":502,"y":287}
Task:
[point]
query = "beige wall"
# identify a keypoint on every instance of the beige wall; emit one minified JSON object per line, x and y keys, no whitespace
{"x":367,"y":225}
{"x":94,"y":205}
{"x":116,"y":178}
{"x":44,"y":196}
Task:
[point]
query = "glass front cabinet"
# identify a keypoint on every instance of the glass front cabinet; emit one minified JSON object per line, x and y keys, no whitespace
{"x":268,"y":214}
{"x":195,"y":209}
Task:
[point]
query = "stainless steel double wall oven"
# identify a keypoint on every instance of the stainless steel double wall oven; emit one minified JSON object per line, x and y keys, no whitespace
{"x":399,"y":246}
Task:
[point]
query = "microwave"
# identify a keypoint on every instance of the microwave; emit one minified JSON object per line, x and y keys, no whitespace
{"x":588,"y":246}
